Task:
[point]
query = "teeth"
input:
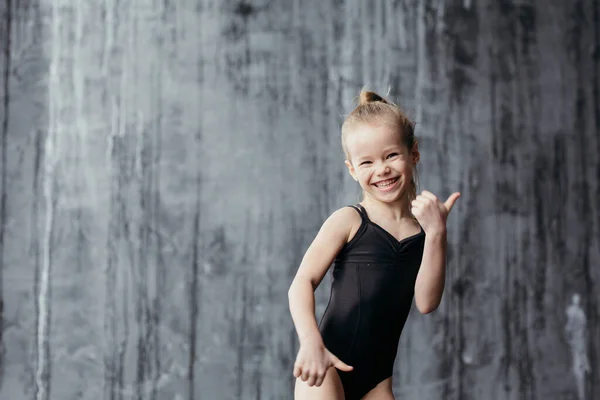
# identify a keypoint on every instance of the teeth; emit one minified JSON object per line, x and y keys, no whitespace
{"x":387,"y":183}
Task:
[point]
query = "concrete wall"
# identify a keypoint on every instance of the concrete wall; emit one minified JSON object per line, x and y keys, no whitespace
{"x":165,"y":164}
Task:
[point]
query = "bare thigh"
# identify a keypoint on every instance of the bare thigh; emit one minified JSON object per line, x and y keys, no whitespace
{"x":383,"y":391}
{"x":330,"y":389}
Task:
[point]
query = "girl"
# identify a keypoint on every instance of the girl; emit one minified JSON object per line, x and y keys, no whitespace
{"x":386,"y":250}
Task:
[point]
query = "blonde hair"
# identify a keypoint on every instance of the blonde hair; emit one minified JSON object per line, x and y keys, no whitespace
{"x":374,"y":109}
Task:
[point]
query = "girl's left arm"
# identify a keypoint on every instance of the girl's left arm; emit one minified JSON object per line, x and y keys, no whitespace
{"x":432,"y":215}
{"x":432,"y":273}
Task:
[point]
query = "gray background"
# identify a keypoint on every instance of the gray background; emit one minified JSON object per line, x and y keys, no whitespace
{"x":165,"y":164}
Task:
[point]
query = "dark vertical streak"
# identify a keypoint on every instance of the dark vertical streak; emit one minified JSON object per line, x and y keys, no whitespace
{"x":110,"y":321}
{"x":429,"y":45}
{"x":506,"y":319}
{"x":194,"y":295}
{"x":118,"y":230}
{"x":337,"y":11}
{"x":541,"y":213}
{"x":369,"y":30}
{"x":141,"y":277}
{"x":510,"y":141}
{"x":7,"y":45}
{"x":143,"y":312}
{"x":506,"y":359}
{"x":462,"y":35}
{"x":37,"y":165}
{"x":466,"y":286}
{"x":157,"y":308}
{"x":242,"y":338}
{"x":323,"y":71}
{"x":149,"y":191}
{"x":124,"y":232}
{"x":357,"y":41}
{"x":524,"y":364}
{"x":454,"y":36}
{"x":140,"y":282}
{"x":238,"y":65}
{"x":111,"y":371}
{"x":595,"y":70}
{"x":592,"y":309}
{"x":80,"y":237}
{"x":159,"y":280}
{"x":582,"y":203}
{"x":527,"y":96}
{"x":560,"y":180}
{"x":139,"y":245}
{"x":257,"y":379}
{"x":47,"y":363}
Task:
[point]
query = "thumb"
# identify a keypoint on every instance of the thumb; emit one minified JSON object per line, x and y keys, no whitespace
{"x":339,"y":364}
{"x":451,"y":200}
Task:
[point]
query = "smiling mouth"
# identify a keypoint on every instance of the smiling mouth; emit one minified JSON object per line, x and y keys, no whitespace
{"x":386,"y":183}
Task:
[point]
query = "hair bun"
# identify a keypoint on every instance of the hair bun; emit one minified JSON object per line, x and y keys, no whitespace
{"x":370,"y":97}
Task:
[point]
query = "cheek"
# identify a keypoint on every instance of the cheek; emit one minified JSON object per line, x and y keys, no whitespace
{"x":407,"y":171}
{"x":404,"y":167}
{"x":363,"y":174}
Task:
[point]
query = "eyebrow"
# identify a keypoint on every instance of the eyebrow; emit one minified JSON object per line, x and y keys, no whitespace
{"x":394,"y":147}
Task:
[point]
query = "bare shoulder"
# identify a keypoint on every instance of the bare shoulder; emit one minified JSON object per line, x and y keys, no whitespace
{"x":337,"y":230}
{"x":345,"y":220}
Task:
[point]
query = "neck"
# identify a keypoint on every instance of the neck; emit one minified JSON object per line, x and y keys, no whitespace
{"x":397,"y":210}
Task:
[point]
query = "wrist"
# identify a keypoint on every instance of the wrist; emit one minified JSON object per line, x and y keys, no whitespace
{"x":311,"y":338}
{"x":439,"y":233}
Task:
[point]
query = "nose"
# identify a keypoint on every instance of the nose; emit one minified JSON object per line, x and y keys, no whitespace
{"x":383,"y":169}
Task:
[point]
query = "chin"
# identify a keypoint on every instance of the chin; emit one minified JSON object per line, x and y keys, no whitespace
{"x":389,"y":199}
{"x":395,"y":199}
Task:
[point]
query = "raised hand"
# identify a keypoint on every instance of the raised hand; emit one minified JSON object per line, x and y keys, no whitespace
{"x":313,"y":361}
{"x":430,"y":212}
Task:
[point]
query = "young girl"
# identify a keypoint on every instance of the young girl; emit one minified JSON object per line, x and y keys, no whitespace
{"x":386,"y":250}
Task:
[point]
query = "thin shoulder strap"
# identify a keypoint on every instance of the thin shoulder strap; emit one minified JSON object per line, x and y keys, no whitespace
{"x":361,"y":211}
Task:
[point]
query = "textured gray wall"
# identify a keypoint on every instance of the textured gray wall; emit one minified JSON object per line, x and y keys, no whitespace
{"x":165,"y":164}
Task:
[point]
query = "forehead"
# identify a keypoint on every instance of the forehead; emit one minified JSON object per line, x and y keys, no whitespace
{"x":368,"y":139}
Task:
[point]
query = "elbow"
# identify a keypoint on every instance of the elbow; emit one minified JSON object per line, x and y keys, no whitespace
{"x":291,"y":297}
{"x":291,"y":290}
{"x":427,"y":308}
{"x":426,"y":301}
{"x":293,"y":285}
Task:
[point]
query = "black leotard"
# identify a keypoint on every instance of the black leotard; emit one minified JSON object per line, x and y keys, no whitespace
{"x":371,"y":295}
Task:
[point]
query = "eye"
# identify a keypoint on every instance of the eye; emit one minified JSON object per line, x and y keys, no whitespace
{"x":392,"y":155}
{"x":365,"y":162}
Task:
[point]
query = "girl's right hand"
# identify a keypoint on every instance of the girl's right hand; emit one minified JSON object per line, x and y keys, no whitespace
{"x":313,"y":362}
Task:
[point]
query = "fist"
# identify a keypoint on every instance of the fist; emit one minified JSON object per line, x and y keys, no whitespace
{"x":430,"y":212}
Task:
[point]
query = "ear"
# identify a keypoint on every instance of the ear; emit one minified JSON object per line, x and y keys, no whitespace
{"x":351,"y":170}
{"x":414,"y":154}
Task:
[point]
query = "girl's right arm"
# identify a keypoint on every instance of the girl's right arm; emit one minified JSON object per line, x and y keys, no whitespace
{"x":313,"y":359}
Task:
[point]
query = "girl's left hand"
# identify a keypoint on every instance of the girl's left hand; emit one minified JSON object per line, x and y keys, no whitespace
{"x":431,"y":213}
